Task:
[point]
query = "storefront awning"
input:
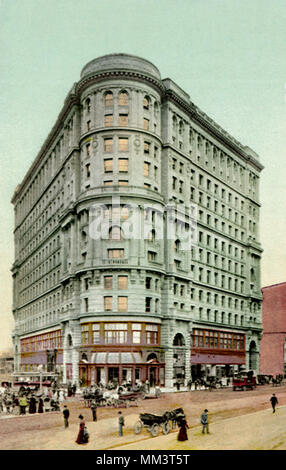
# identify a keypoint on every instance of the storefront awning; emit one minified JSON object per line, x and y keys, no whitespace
{"x":116,"y":358}
{"x":231,"y":359}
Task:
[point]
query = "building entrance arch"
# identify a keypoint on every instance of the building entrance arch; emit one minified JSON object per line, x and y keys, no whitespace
{"x":252,"y":356}
{"x":179,"y":363}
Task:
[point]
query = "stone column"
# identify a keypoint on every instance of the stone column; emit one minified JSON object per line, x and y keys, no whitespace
{"x":169,"y":367}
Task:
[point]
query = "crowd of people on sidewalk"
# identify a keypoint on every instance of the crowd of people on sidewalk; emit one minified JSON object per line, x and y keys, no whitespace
{"x":30,"y":401}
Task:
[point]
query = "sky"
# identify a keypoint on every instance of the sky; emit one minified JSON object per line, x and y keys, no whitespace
{"x":228,"y":55}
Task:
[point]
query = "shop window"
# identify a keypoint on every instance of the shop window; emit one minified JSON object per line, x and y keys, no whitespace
{"x":115,"y":333}
{"x":151,"y":334}
{"x":136,"y":333}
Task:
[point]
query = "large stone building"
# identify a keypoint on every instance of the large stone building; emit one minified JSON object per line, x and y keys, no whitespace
{"x":101,"y":303}
{"x":273,"y":342}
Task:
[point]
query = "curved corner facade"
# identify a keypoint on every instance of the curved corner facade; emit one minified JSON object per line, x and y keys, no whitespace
{"x":104,"y":286}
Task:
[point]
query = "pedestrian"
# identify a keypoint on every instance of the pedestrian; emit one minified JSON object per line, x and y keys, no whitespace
{"x":23,"y":404}
{"x":93,"y":407}
{"x":82,"y":437}
{"x":41,"y":405}
{"x":205,"y":421}
{"x":147,"y":383}
{"x":273,"y":401}
{"x":73,"y":390}
{"x":32,"y":405}
{"x":183,"y":435}
{"x":66,"y":414}
{"x":120,"y":424}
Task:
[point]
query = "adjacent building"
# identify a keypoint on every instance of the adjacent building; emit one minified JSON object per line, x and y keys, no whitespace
{"x":105,"y":288}
{"x":273,"y":349}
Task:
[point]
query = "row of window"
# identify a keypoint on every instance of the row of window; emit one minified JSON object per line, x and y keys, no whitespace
{"x":120,"y":333}
{"x":52,"y":340}
{"x":217,"y":340}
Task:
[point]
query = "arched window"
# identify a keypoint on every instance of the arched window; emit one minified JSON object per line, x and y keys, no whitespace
{"x":151,"y":236}
{"x":146,"y":102}
{"x":87,"y":105}
{"x":179,"y":340}
{"x":108,"y":98}
{"x":156,"y":109}
{"x":177,"y":245}
{"x":115,"y":233}
{"x":123,"y":98}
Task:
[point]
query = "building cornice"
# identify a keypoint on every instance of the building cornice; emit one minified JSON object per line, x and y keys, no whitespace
{"x":211,"y":127}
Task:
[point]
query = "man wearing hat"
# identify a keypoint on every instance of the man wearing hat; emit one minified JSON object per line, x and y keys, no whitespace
{"x":205,"y":421}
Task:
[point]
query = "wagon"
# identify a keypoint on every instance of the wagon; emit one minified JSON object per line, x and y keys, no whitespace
{"x":152,"y":423}
{"x":128,"y":398}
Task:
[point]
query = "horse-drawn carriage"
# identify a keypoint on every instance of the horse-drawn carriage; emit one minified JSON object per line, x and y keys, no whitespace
{"x":153,"y":423}
{"x":111,"y":397}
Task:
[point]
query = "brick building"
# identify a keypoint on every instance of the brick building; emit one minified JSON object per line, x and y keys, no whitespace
{"x":272,"y":348}
{"x":121,"y":307}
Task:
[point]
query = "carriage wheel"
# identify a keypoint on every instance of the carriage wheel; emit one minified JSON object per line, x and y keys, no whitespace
{"x":155,"y":430}
{"x":166,"y":428}
{"x":138,"y":427}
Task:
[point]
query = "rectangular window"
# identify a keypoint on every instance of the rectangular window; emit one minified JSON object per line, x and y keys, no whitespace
{"x":122,"y":183}
{"x":122,"y":144}
{"x":146,"y":147}
{"x":108,"y":166}
{"x":151,"y":334}
{"x":146,"y":169}
{"x":122,"y":282}
{"x":108,"y":145}
{"x":148,"y":304}
{"x":108,"y":183}
{"x":87,"y":170}
{"x":115,"y":333}
{"x":108,"y":120}
{"x":115,"y":253}
{"x":95,"y":333}
{"x":123,"y":165}
{"x":146,"y":124}
{"x":86,"y":304}
{"x":122,"y":304}
{"x":84,"y":334}
{"x":107,"y":282}
{"x":123,"y":120}
{"x":108,"y":304}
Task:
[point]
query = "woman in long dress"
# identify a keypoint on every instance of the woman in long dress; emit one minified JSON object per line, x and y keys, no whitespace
{"x":183,"y":435}
{"x":41,"y":405}
{"x":81,"y":438}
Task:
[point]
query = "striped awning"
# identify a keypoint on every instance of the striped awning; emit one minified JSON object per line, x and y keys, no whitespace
{"x":116,"y":358}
